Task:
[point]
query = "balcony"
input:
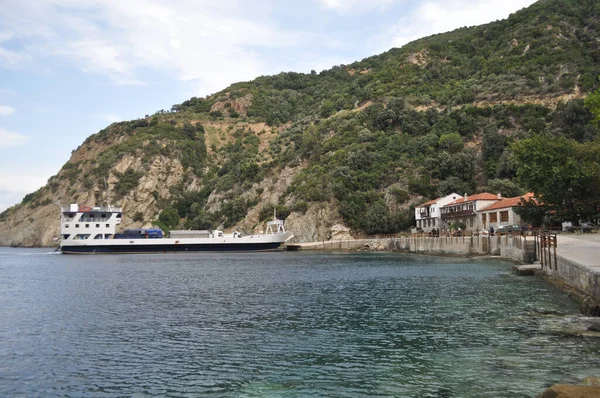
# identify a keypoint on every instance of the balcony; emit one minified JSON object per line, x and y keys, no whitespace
{"x":424,"y":213}
{"x":456,"y":214}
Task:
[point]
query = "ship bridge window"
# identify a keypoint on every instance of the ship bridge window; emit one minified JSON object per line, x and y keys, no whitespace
{"x":119,"y":215}
{"x":108,"y":236}
{"x":102,"y":215}
{"x":82,"y":236}
{"x":98,"y":236}
{"x":66,"y":236}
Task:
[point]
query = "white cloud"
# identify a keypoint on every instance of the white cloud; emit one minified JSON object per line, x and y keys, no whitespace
{"x":6,"y":110}
{"x":351,"y":5}
{"x":14,"y":186}
{"x":107,"y":117}
{"x":207,"y":44}
{"x":10,"y":139}
{"x":9,"y":59}
{"x":7,"y":91}
{"x":22,"y":182}
{"x":437,"y":16}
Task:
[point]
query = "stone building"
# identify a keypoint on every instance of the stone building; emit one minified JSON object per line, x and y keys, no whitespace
{"x":428,"y":215}
{"x":503,"y":212}
{"x":464,"y":211}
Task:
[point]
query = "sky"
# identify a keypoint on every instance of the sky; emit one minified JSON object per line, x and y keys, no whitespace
{"x":69,"y":68}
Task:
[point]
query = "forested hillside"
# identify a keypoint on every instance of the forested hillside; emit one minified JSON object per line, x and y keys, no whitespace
{"x":357,"y":145}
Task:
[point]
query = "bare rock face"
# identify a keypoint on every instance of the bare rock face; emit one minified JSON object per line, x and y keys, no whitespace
{"x":591,"y":381}
{"x":570,"y":391}
{"x":420,"y":58}
{"x":239,"y":105}
{"x":315,"y":225}
{"x":31,"y":227}
{"x":340,"y":232}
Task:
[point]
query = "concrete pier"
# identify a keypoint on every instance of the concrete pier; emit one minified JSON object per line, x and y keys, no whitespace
{"x":517,"y":248}
{"x":577,"y":264}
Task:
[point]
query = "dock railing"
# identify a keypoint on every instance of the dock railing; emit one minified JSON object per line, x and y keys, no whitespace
{"x":547,"y":250}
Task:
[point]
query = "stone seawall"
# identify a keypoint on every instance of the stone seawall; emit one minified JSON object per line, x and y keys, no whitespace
{"x":582,"y":278}
{"x":517,"y":248}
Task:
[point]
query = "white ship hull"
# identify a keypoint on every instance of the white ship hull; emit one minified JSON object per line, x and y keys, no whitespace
{"x":168,"y":245}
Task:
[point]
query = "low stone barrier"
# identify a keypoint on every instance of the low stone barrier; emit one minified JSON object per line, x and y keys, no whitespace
{"x":584,"y":280}
{"x":518,"y":248}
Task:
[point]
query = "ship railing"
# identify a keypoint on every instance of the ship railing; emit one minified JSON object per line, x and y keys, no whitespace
{"x":104,"y":209}
{"x":275,"y":226}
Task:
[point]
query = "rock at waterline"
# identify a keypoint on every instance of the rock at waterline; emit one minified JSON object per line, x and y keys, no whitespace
{"x":570,"y":391}
{"x":591,"y":381}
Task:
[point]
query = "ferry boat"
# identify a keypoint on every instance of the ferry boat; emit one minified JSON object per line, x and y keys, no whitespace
{"x":89,"y":230}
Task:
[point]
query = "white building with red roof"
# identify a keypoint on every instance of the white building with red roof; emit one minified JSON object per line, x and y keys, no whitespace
{"x":503,"y":212}
{"x":464,"y":210}
{"x":428,"y":215}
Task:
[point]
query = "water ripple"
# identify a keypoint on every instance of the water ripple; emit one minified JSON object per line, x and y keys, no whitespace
{"x":281,"y":324}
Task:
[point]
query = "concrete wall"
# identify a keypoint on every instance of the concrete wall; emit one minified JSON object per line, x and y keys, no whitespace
{"x":445,"y":245}
{"x":575,"y":275}
{"x":521,"y":249}
{"x":518,"y":248}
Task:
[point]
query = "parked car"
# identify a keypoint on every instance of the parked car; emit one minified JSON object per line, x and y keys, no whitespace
{"x":584,"y":227}
{"x":508,"y":229}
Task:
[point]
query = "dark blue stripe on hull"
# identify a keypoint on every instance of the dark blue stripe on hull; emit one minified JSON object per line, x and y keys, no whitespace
{"x":179,"y":248}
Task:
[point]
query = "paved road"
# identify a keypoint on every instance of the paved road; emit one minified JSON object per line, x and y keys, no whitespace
{"x":581,"y":248}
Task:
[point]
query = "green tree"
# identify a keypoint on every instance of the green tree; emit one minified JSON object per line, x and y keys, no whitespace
{"x":327,"y":108}
{"x":451,"y":142}
{"x":563,"y":174}
{"x":532,"y":212}
{"x":138,"y":216}
{"x":169,"y":218}
{"x":506,"y":187}
{"x":592,"y":102}
{"x":453,"y":184}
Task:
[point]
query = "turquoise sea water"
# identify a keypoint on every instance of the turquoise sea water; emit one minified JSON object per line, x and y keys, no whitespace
{"x":281,"y":324}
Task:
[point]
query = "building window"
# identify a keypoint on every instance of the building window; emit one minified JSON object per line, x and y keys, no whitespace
{"x":504,"y":216}
{"x":493,"y":217}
